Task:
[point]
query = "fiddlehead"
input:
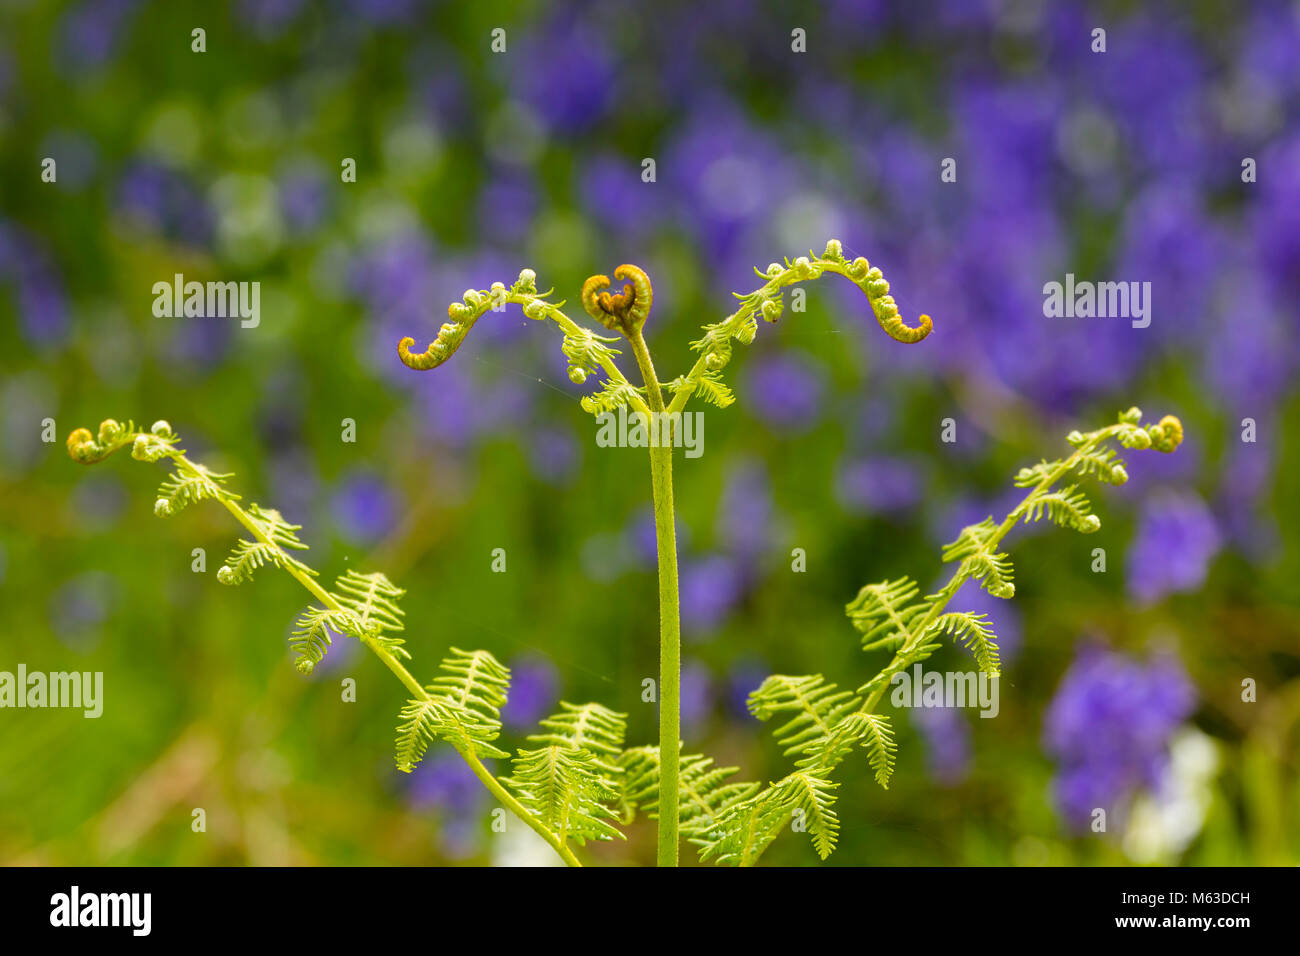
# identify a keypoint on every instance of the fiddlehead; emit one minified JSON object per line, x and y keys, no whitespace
{"x":625,"y":311}
{"x":768,"y":301}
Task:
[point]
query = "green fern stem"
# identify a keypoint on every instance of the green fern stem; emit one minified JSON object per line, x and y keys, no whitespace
{"x":188,"y":468}
{"x":962,"y":574}
{"x":670,"y":629}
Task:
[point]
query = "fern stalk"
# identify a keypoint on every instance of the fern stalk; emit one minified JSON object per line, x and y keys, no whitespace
{"x":670,"y":623}
{"x":151,"y":446}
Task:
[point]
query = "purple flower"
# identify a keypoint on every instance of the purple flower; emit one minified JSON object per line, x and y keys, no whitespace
{"x":947,"y":738}
{"x":744,"y":522}
{"x":269,"y":18}
{"x":612,"y":192}
{"x":443,"y":780}
{"x":507,"y":206}
{"x":785,"y":391}
{"x":696,"y":695}
{"x":364,"y":507}
{"x":710,"y":587}
{"x":165,"y":202}
{"x":534,"y":689}
{"x":91,"y":32}
{"x":554,"y":454}
{"x":743,"y":679}
{"x":1176,"y":540}
{"x":1109,"y":728}
{"x":874,"y":485}
{"x":565,"y":73}
{"x":304,"y":198}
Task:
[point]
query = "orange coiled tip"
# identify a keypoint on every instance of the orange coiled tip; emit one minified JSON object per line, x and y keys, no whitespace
{"x":83,"y":448}
{"x":1167,"y":434}
{"x":622,"y":310}
{"x":419,"y":361}
{"x":900,"y":331}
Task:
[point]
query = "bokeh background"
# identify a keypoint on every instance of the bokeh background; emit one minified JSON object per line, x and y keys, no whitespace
{"x":1122,"y":689}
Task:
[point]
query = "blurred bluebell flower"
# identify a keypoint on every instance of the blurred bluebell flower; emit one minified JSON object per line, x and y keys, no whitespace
{"x":947,"y":737}
{"x":269,"y":19}
{"x":745,"y":518}
{"x":696,"y":690}
{"x":710,"y":588}
{"x":163,"y":201}
{"x":507,"y":207}
{"x":881,"y":485}
{"x":744,"y":677}
{"x":534,"y":692}
{"x":565,"y":72}
{"x":80,"y":606}
{"x":1176,"y":541}
{"x":364,"y":507}
{"x":553,"y":454}
{"x":1109,"y":727}
{"x":91,"y":32}
{"x":444,"y":780}
{"x":785,"y":391}
{"x":304,"y":197}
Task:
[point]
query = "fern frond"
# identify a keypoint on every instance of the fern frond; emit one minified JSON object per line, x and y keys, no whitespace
{"x":744,"y":830}
{"x":709,"y":386}
{"x":612,"y":394}
{"x":884,"y":614}
{"x":586,"y":351}
{"x":311,"y":636}
{"x":183,"y":488}
{"x":817,"y":706}
{"x":703,"y":791}
{"x":972,"y":631}
{"x":474,"y":681}
{"x":1067,"y":507}
{"x":994,"y":571}
{"x":438,"y":717}
{"x":566,"y":788}
{"x":814,"y":796}
{"x":880,"y":747}
{"x":589,"y":727}
{"x":971,"y":539}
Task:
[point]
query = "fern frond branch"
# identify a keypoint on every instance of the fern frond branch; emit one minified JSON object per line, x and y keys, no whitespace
{"x":151,"y":446}
{"x":1164,"y":436}
{"x":766,"y":300}
{"x":523,"y":293}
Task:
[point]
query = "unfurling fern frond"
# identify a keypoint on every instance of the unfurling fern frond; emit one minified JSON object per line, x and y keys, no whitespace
{"x":816,"y":706}
{"x":1067,"y":507}
{"x":276,"y":539}
{"x":812,"y":796}
{"x":885,"y":615}
{"x":187,"y":487}
{"x":312,"y":634}
{"x":567,"y":790}
{"x":709,"y":386}
{"x":589,"y":727}
{"x":992,"y":568}
{"x":372,"y":599}
{"x":463,"y":708}
{"x":704,"y":791}
{"x":466,"y":730}
{"x":474,"y":681}
{"x":612,"y":394}
{"x":972,"y":631}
